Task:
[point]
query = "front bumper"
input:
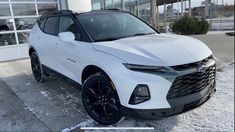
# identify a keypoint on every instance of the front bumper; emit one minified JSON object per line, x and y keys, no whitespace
{"x":178,"y":105}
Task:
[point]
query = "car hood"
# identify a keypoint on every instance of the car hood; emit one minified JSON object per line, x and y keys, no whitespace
{"x":156,"y":49}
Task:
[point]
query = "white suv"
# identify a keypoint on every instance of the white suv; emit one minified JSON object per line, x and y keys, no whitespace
{"x":126,"y":67}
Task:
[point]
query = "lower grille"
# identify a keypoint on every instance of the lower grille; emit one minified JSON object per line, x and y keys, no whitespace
{"x":192,"y":83}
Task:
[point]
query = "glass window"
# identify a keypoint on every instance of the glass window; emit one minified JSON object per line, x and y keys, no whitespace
{"x":43,"y":8}
{"x":23,"y":37}
{"x":25,"y":23}
{"x":5,"y":10}
{"x":51,"y":26}
{"x":42,"y":23}
{"x":46,"y":0}
{"x":131,"y":6}
{"x":109,"y":4}
{"x":7,"y":39}
{"x":23,"y":9}
{"x":23,"y":0}
{"x":97,"y":4}
{"x":112,"y":26}
{"x":144,"y":10}
{"x":68,"y":25}
{"x":6,"y":24}
{"x":117,"y":4}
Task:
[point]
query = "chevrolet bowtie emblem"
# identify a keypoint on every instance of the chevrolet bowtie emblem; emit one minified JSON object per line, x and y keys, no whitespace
{"x":201,"y":68}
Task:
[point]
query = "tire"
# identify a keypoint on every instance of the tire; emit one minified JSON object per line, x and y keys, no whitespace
{"x":37,"y":68}
{"x":100,"y":99}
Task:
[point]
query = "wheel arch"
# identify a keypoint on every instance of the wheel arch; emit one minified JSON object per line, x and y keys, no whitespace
{"x":90,"y":70}
{"x":31,"y":50}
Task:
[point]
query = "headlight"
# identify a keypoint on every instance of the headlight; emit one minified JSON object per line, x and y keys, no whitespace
{"x":144,"y":68}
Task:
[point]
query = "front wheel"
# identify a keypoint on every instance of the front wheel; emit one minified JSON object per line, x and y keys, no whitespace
{"x":100,"y":99}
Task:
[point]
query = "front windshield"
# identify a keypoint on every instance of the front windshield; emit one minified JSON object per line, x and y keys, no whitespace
{"x":114,"y":25}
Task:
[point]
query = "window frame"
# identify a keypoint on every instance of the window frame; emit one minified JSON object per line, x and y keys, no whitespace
{"x":56,"y":25}
{"x":84,"y":35}
{"x":73,"y":22}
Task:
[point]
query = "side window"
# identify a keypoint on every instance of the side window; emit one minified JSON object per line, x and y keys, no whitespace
{"x":68,"y":25}
{"x":41,"y":23}
{"x":51,"y":26}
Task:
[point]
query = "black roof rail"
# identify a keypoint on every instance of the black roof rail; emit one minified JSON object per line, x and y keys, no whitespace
{"x":61,"y":12}
{"x":65,"y":12}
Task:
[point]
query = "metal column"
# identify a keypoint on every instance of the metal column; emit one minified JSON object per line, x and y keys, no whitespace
{"x":153,"y":13}
{"x":189,"y":7}
{"x":182,"y":8}
{"x":165,"y":17}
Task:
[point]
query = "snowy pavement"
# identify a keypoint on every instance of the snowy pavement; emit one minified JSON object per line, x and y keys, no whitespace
{"x":56,"y":105}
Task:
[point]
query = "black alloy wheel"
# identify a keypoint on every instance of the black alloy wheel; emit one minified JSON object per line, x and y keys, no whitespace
{"x":100,"y":99}
{"x":36,"y":67}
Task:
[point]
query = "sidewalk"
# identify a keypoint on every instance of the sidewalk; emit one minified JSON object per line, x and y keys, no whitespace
{"x":14,"y":114}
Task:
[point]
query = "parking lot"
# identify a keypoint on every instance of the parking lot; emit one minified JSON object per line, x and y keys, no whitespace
{"x":56,"y":105}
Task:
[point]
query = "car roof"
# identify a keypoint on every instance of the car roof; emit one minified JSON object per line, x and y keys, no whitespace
{"x":68,"y":12}
{"x":92,"y":12}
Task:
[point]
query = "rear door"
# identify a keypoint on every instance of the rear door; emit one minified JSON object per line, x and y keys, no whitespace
{"x":49,"y":42}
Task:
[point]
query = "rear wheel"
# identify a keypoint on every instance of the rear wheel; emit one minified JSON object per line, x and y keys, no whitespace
{"x":36,"y":67}
{"x":100,"y":99}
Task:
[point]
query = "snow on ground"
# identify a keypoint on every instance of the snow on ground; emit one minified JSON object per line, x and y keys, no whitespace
{"x":215,"y":115}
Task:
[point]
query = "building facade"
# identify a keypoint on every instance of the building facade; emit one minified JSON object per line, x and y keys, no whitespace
{"x":17,"y":17}
{"x":140,"y":8}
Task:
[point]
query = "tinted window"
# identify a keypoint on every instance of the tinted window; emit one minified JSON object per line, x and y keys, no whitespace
{"x":41,"y":23}
{"x":111,"y":26}
{"x":68,"y":25}
{"x":51,"y":26}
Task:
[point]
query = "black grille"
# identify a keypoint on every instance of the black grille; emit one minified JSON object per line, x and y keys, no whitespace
{"x":192,"y":65}
{"x":191,"y":83}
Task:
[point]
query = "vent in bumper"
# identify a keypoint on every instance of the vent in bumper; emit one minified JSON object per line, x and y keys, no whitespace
{"x":192,"y":83}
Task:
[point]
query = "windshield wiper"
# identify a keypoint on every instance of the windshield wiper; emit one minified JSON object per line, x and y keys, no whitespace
{"x":141,"y":34}
{"x":121,"y":37}
{"x":107,"y":39}
{"x":111,"y":39}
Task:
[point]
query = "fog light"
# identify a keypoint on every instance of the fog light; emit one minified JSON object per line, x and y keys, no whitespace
{"x":140,"y":94}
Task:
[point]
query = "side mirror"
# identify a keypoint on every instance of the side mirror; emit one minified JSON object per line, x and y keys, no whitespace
{"x":67,"y":36}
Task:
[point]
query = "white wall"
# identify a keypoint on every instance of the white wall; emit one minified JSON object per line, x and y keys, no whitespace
{"x":79,"y":5}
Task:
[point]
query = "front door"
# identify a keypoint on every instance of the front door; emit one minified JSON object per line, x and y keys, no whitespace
{"x":69,"y":51}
